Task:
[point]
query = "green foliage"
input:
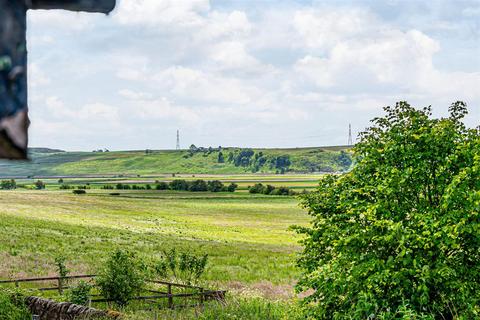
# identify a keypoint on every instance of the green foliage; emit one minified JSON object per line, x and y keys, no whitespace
{"x":232,"y":187}
{"x":256,"y":188}
{"x":61,"y":267}
{"x":12,"y":306}
{"x":79,"y":191}
{"x":178,"y":185}
{"x":220,"y":158}
{"x":161,"y":186}
{"x":215,"y":186}
{"x":80,"y":294}
{"x":122,"y":276}
{"x":344,"y":160}
{"x":197,"y":185}
{"x":271,"y":190}
{"x":398,"y":237}
{"x":181,"y":267}
{"x":39,"y":185}
{"x":8,"y":184}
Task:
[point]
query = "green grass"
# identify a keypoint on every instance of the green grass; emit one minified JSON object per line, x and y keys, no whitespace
{"x":44,"y":163}
{"x":246,"y":236}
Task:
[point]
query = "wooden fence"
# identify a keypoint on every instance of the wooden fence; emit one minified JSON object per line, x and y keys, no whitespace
{"x":154,"y":295}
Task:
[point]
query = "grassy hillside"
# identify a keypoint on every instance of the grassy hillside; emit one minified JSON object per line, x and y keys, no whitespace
{"x":45,"y":162}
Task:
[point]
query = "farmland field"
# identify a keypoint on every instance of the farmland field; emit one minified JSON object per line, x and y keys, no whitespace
{"x":248,"y":239}
{"x":246,"y":236}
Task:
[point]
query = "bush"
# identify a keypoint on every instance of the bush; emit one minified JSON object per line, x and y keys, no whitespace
{"x":8,"y":184}
{"x":80,"y":294}
{"x":12,"y":306}
{"x":198,"y":185}
{"x":161,"y":186}
{"x":65,"y":187}
{"x":179,"y":185}
{"x":268,"y":189}
{"x":39,"y":185}
{"x":122,"y":276}
{"x":257,"y":188}
{"x":79,"y":191}
{"x":215,"y":186}
{"x":184,"y":267}
{"x":397,"y":237}
{"x":232,"y":187}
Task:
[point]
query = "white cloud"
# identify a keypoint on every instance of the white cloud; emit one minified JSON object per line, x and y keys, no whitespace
{"x":205,"y":87}
{"x":323,"y":28}
{"x":162,"y":13}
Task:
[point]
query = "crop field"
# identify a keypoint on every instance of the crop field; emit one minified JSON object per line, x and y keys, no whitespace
{"x":246,"y":236}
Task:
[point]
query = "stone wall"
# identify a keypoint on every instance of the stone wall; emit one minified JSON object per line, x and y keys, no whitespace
{"x":51,"y":310}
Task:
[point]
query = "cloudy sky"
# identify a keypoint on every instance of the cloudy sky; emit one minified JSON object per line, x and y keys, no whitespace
{"x":244,"y":73}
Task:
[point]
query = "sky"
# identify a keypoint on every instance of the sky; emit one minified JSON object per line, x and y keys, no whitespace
{"x":245,"y":73}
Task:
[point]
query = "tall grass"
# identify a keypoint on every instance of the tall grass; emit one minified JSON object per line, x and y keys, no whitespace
{"x":241,"y":308}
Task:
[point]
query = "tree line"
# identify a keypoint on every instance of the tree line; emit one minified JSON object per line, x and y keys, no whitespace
{"x":180,"y":185}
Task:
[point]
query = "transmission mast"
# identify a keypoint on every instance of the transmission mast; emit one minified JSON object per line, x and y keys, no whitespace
{"x":350,"y":140}
{"x":178,"y":140}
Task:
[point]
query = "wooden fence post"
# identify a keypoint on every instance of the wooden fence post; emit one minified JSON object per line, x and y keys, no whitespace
{"x":202,"y":297}
{"x":170,"y":298}
{"x":60,"y":285}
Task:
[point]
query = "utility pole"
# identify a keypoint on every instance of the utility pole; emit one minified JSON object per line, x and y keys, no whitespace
{"x":178,"y":140}
{"x":350,"y":140}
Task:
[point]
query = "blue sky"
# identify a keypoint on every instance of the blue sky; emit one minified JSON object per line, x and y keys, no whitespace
{"x":244,"y":73}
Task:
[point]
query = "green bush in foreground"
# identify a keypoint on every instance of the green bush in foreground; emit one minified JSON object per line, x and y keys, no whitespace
{"x":80,"y":294}
{"x":122,"y":277}
{"x":12,"y":306}
{"x":398,"y":237}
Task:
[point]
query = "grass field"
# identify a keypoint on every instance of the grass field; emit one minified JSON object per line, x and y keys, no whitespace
{"x":251,"y":249}
{"x":246,"y":236}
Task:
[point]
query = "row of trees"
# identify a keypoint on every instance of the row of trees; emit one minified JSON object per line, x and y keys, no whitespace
{"x":12,"y":184}
{"x":179,"y":185}
{"x":271,"y":190}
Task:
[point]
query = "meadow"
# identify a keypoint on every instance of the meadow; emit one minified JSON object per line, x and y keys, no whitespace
{"x":247,"y":237}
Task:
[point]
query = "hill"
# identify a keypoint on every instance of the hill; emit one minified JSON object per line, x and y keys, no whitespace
{"x":48,"y":162}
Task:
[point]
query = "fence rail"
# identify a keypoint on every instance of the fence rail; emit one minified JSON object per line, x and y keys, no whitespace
{"x":200,"y":293}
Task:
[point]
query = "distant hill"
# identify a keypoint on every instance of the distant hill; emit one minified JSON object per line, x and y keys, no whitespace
{"x":43,"y":150}
{"x":51,"y":162}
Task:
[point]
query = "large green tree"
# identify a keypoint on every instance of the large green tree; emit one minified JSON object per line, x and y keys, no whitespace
{"x":398,"y":237}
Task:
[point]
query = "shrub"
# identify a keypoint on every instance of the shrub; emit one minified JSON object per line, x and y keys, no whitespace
{"x":39,"y":185}
{"x":179,"y":185}
{"x":79,"y":191}
{"x":12,"y":306}
{"x":257,"y":188}
{"x":268,"y":189}
{"x":80,"y":294}
{"x":65,"y":187}
{"x":198,"y":185}
{"x":161,"y":186}
{"x":215,"y":186}
{"x":122,"y":276}
{"x":397,"y":237}
{"x":232,"y":187}
{"x":8,"y":184}
{"x":184,"y":267}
